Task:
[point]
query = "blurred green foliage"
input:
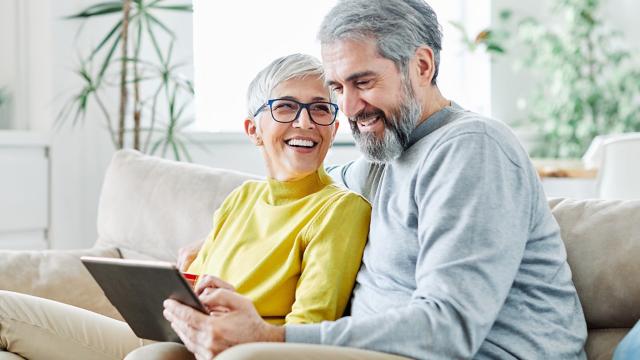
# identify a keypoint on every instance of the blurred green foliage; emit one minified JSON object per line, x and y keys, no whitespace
{"x":587,"y":80}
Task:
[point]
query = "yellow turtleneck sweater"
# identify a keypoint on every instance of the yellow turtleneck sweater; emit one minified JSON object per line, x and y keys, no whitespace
{"x":293,"y":247}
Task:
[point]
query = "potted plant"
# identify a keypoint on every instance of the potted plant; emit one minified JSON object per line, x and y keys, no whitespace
{"x":118,"y":62}
{"x":588,"y":82}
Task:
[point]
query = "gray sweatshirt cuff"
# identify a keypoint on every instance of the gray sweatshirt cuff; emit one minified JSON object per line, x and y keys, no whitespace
{"x":308,"y":334}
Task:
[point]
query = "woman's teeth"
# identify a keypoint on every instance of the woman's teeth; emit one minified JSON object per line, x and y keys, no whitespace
{"x":300,"y":142}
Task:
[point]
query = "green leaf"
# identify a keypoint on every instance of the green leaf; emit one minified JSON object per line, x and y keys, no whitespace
{"x":185,"y":151}
{"x":156,"y":145}
{"x":505,"y":14}
{"x":105,"y":8}
{"x":186,"y":7}
{"x":154,"y":41}
{"x":176,"y":153}
{"x":495,"y":48}
{"x":113,"y":31}
{"x":107,"y":60}
{"x":162,"y":25}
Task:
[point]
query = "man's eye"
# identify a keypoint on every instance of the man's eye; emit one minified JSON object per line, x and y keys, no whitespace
{"x":363,"y":83}
{"x":337,"y":89}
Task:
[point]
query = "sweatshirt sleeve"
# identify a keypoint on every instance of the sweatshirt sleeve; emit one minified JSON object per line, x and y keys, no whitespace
{"x":352,"y":175}
{"x":331,"y":260}
{"x":474,"y":209}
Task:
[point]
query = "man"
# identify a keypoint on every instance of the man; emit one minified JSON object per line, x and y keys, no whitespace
{"x":464,"y":258}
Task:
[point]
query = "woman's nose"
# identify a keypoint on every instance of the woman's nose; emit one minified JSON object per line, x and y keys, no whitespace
{"x":304,"y":119}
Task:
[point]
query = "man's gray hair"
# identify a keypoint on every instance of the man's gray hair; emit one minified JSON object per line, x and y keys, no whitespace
{"x":399,"y":27}
{"x":280,"y":70}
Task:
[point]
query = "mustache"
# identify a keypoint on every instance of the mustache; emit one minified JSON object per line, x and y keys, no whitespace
{"x":363,"y":115}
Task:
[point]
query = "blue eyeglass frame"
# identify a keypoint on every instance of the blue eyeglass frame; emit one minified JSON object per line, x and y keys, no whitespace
{"x":270,"y":102}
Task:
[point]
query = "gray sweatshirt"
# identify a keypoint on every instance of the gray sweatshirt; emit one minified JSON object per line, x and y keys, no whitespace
{"x":464,"y":258}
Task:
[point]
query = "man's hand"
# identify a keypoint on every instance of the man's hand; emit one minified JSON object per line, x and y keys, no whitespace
{"x":205,"y":286}
{"x":187,"y":254}
{"x":208,"y":335}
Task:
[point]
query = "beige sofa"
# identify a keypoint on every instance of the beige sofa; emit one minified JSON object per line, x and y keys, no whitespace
{"x":150,"y":207}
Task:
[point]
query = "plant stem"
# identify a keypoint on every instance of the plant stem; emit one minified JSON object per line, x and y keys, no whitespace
{"x":126,"y":7}
{"x":107,"y":118}
{"x":136,"y":90}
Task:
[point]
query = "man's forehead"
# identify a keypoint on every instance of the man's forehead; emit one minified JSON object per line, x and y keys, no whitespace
{"x":344,"y":59}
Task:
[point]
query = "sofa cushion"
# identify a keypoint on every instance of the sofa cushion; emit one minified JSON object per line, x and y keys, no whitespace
{"x":57,"y":275}
{"x":602,"y":238}
{"x":153,"y":206}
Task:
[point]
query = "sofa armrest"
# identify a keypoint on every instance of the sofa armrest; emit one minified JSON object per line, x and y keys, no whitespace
{"x":58,"y":275}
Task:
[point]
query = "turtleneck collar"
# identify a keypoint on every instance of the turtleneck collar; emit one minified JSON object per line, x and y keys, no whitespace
{"x":282,"y":192}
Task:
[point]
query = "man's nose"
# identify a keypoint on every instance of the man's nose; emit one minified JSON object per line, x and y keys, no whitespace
{"x":350,"y":102}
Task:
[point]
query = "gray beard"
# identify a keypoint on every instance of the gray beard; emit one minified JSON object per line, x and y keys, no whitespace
{"x":398,"y":127}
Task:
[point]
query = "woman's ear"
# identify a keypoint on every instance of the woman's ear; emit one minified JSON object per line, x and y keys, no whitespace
{"x":335,"y":131}
{"x":251,"y":130}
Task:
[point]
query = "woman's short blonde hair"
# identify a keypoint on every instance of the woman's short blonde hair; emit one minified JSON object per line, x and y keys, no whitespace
{"x":277,"y":72}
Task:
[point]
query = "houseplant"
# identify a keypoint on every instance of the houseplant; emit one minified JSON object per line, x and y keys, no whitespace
{"x":587,"y":82}
{"x":150,"y":86}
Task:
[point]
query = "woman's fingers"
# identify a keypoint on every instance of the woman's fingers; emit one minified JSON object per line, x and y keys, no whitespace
{"x":210,"y":281}
{"x":187,"y":254}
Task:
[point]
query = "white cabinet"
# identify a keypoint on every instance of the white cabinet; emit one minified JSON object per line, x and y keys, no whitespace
{"x":24,"y":190}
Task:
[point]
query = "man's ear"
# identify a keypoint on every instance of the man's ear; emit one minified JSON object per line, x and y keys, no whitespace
{"x":424,"y":65}
{"x":252,"y":131}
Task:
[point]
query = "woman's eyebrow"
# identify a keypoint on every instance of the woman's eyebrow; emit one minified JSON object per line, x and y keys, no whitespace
{"x":317,"y":98}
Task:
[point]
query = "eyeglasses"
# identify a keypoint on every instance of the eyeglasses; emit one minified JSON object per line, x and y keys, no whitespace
{"x":288,"y":110}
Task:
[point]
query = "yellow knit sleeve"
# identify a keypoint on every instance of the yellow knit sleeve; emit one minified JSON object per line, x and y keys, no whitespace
{"x":331,"y":260}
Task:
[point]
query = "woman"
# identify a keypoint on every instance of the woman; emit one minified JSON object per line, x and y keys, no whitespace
{"x":283,"y":242}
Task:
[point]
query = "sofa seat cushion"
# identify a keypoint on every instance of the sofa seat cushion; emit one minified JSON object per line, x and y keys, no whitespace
{"x":57,"y":275}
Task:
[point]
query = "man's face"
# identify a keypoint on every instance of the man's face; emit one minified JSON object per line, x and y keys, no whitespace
{"x":374,"y":95}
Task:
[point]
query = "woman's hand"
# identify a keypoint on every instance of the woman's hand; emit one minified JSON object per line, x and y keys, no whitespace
{"x":208,"y":335}
{"x":187,"y":254}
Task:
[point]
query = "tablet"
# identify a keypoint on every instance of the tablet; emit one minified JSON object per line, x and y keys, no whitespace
{"x":137,"y":288}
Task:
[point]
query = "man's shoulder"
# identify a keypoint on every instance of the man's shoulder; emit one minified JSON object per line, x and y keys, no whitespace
{"x":468,"y":122}
{"x":469,"y":127}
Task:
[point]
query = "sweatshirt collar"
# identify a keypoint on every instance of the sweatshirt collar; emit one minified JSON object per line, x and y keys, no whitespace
{"x":433,"y":123}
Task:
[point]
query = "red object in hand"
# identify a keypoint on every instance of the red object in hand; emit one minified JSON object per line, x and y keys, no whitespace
{"x":191,"y":279}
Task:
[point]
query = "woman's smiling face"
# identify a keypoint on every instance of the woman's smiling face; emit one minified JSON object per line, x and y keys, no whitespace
{"x":296,"y":149}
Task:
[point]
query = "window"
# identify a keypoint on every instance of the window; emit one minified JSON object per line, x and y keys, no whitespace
{"x":232,"y":42}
